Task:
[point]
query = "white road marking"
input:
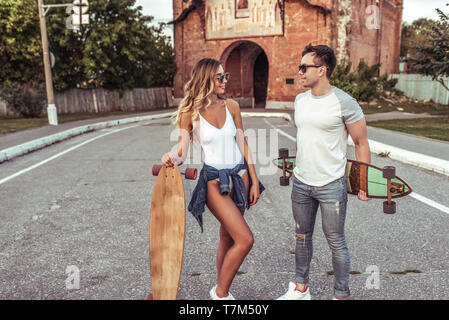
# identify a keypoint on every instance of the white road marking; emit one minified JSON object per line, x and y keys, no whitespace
{"x":281,"y":132}
{"x":414,"y":195}
{"x":429,"y":202}
{"x":60,"y":154}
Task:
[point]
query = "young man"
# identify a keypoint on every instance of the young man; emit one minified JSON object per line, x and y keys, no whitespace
{"x":324,"y":116}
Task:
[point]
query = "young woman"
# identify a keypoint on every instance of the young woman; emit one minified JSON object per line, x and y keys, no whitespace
{"x":227,"y":183}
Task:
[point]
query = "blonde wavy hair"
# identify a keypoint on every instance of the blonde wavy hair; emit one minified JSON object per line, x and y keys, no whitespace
{"x":198,"y":90}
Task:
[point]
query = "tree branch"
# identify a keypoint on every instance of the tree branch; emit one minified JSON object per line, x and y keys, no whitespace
{"x":442,"y":83}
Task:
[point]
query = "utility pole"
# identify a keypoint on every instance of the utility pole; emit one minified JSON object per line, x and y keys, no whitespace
{"x":79,"y":17}
{"x":51,"y":107}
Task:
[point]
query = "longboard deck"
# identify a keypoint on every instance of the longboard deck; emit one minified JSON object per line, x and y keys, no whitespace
{"x":362,"y":176}
{"x":167,"y":233}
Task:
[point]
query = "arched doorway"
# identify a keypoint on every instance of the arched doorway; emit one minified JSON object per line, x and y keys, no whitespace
{"x":248,"y":66}
{"x":260,"y":80}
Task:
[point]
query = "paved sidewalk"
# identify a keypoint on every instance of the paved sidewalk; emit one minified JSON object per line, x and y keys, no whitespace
{"x":397,"y":115}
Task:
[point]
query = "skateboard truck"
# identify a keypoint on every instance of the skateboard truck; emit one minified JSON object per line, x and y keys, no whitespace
{"x":284,"y":180}
{"x":389,"y":172}
{"x":189,"y":173}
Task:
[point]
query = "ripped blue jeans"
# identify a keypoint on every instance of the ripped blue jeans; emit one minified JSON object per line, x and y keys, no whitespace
{"x":332,"y":199}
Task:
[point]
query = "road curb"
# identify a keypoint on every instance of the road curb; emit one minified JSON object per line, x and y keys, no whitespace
{"x":409,"y":157}
{"x":405,"y":156}
{"x":33,"y":145}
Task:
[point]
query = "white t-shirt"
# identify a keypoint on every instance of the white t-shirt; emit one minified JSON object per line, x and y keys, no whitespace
{"x":322,"y":135}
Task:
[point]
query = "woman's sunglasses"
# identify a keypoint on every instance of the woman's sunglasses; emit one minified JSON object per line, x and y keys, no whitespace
{"x":222,"y":77}
{"x":303,"y":67}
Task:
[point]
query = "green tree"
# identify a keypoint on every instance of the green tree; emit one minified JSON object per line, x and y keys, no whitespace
{"x":413,"y":33}
{"x":67,"y":46}
{"x":432,"y":57}
{"x":121,"y":51}
{"x":117,"y":50}
{"x":162,"y":63}
{"x":20,"y":42}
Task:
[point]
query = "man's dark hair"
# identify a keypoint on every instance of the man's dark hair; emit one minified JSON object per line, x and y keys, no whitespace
{"x":323,"y":55}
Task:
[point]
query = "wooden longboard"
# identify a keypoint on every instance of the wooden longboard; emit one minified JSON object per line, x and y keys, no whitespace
{"x":366,"y":177}
{"x":167,"y":232}
{"x":362,"y":176}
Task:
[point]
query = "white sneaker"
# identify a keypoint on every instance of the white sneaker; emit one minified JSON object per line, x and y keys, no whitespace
{"x":213,"y":295}
{"x":293,"y":294}
{"x":347,"y":298}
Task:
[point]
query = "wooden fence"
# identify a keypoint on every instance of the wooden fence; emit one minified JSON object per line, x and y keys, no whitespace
{"x":101,"y":100}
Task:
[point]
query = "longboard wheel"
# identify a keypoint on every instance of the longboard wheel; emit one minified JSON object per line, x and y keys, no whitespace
{"x":389,"y":208}
{"x":156,"y":168}
{"x":191,"y":173}
{"x":388,"y":172}
{"x":284,"y":181}
{"x":150,"y":296}
{"x":283,"y":153}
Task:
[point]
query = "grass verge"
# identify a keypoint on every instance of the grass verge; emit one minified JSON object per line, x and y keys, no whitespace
{"x":435,"y":128}
{"x":382,"y":105}
{"x":9,"y":125}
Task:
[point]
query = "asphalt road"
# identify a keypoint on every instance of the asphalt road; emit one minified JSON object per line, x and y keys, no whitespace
{"x":84,"y":206}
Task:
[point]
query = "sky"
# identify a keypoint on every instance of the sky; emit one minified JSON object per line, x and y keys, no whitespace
{"x":413,"y":9}
{"x":159,"y":9}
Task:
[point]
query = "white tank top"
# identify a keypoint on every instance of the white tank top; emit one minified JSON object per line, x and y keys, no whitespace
{"x":219,"y":145}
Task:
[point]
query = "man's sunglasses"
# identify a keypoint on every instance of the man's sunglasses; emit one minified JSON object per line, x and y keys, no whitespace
{"x":303,"y":67}
{"x":222,"y":77}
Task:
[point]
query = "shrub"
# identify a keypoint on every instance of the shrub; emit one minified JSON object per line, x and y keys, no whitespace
{"x":27,"y":99}
{"x":362,"y":84}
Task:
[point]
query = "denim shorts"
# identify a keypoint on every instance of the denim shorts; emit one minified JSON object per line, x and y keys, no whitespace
{"x":241,"y":173}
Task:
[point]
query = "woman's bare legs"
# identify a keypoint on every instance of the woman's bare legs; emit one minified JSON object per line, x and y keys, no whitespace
{"x":236,"y":239}
{"x":226,"y":241}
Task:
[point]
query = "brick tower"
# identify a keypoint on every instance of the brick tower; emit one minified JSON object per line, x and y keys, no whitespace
{"x":260,"y":41}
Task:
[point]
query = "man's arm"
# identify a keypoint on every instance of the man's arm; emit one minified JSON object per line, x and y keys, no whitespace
{"x":357,"y":131}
